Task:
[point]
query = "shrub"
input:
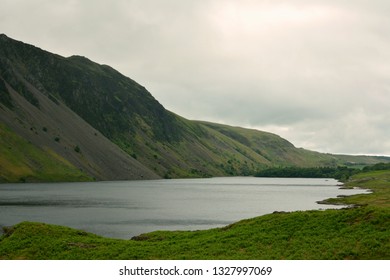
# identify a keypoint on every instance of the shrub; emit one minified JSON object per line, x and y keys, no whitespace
{"x":77,"y":149}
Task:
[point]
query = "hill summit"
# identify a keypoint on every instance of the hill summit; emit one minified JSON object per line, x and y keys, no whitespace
{"x":92,"y":122}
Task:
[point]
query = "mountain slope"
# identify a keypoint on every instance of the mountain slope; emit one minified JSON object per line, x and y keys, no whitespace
{"x":78,"y":109}
{"x":21,"y":161}
{"x":49,"y":125}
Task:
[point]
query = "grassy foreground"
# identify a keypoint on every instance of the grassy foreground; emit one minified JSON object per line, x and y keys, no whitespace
{"x":355,"y":233}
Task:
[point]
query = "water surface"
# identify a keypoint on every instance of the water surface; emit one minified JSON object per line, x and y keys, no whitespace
{"x":123,"y":209}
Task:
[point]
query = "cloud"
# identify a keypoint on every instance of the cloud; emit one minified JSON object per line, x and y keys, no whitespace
{"x":316,"y":72}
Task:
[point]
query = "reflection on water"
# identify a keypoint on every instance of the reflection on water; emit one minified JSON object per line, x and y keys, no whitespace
{"x":126,"y":208}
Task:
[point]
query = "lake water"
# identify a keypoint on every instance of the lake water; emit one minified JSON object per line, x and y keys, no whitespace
{"x":123,"y":209}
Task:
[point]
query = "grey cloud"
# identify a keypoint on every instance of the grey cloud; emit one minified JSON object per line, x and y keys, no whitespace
{"x":315,"y":71}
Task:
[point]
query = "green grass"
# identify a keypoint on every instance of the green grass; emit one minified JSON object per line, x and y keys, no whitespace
{"x":333,"y":234}
{"x":377,"y":181}
{"x":21,"y":161}
{"x":353,"y":233}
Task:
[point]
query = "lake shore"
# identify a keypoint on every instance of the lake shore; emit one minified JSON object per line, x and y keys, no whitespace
{"x":122,"y":209}
{"x":353,"y":233}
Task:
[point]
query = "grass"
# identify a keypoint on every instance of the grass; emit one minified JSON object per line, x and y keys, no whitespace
{"x":353,"y":233}
{"x":21,"y":161}
{"x":377,"y":181}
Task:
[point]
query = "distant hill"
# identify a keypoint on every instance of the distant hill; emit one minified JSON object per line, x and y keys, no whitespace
{"x":102,"y":125}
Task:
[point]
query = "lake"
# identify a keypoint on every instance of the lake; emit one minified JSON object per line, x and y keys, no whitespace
{"x":123,"y":209}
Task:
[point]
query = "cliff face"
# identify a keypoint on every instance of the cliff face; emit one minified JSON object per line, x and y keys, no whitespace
{"x":109,"y":127}
{"x":31,"y":111}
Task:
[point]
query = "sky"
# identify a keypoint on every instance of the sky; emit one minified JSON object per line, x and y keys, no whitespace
{"x":316,"y":72}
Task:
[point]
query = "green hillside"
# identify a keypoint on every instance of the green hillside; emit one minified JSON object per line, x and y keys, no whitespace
{"x":81,"y":100}
{"x":21,"y":161}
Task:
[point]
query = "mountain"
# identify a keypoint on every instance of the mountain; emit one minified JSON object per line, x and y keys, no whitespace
{"x":29,"y":112}
{"x":96,"y":123}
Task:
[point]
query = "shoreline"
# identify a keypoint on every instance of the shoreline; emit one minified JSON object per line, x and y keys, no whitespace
{"x":299,"y":235}
{"x":337,"y":201}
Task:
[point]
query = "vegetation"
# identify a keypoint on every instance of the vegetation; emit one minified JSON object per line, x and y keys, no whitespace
{"x":377,"y":181}
{"x":341,"y":173}
{"x":376,"y":167}
{"x":128,"y":115}
{"x":353,"y":233}
{"x":21,"y":161}
{"x":77,"y":149}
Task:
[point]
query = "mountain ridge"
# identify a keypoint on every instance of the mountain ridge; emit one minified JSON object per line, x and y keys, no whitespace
{"x":110,"y":127}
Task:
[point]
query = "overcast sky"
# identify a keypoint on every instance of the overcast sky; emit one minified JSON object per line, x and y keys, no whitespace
{"x":316,"y":72}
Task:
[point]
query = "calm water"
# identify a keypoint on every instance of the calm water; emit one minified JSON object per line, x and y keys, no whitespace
{"x":127,"y":208}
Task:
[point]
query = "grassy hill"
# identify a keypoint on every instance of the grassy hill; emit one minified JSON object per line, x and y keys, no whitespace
{"x":355,"y":233}
{"x":19,"y":157}
{"x":111,"y":128}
